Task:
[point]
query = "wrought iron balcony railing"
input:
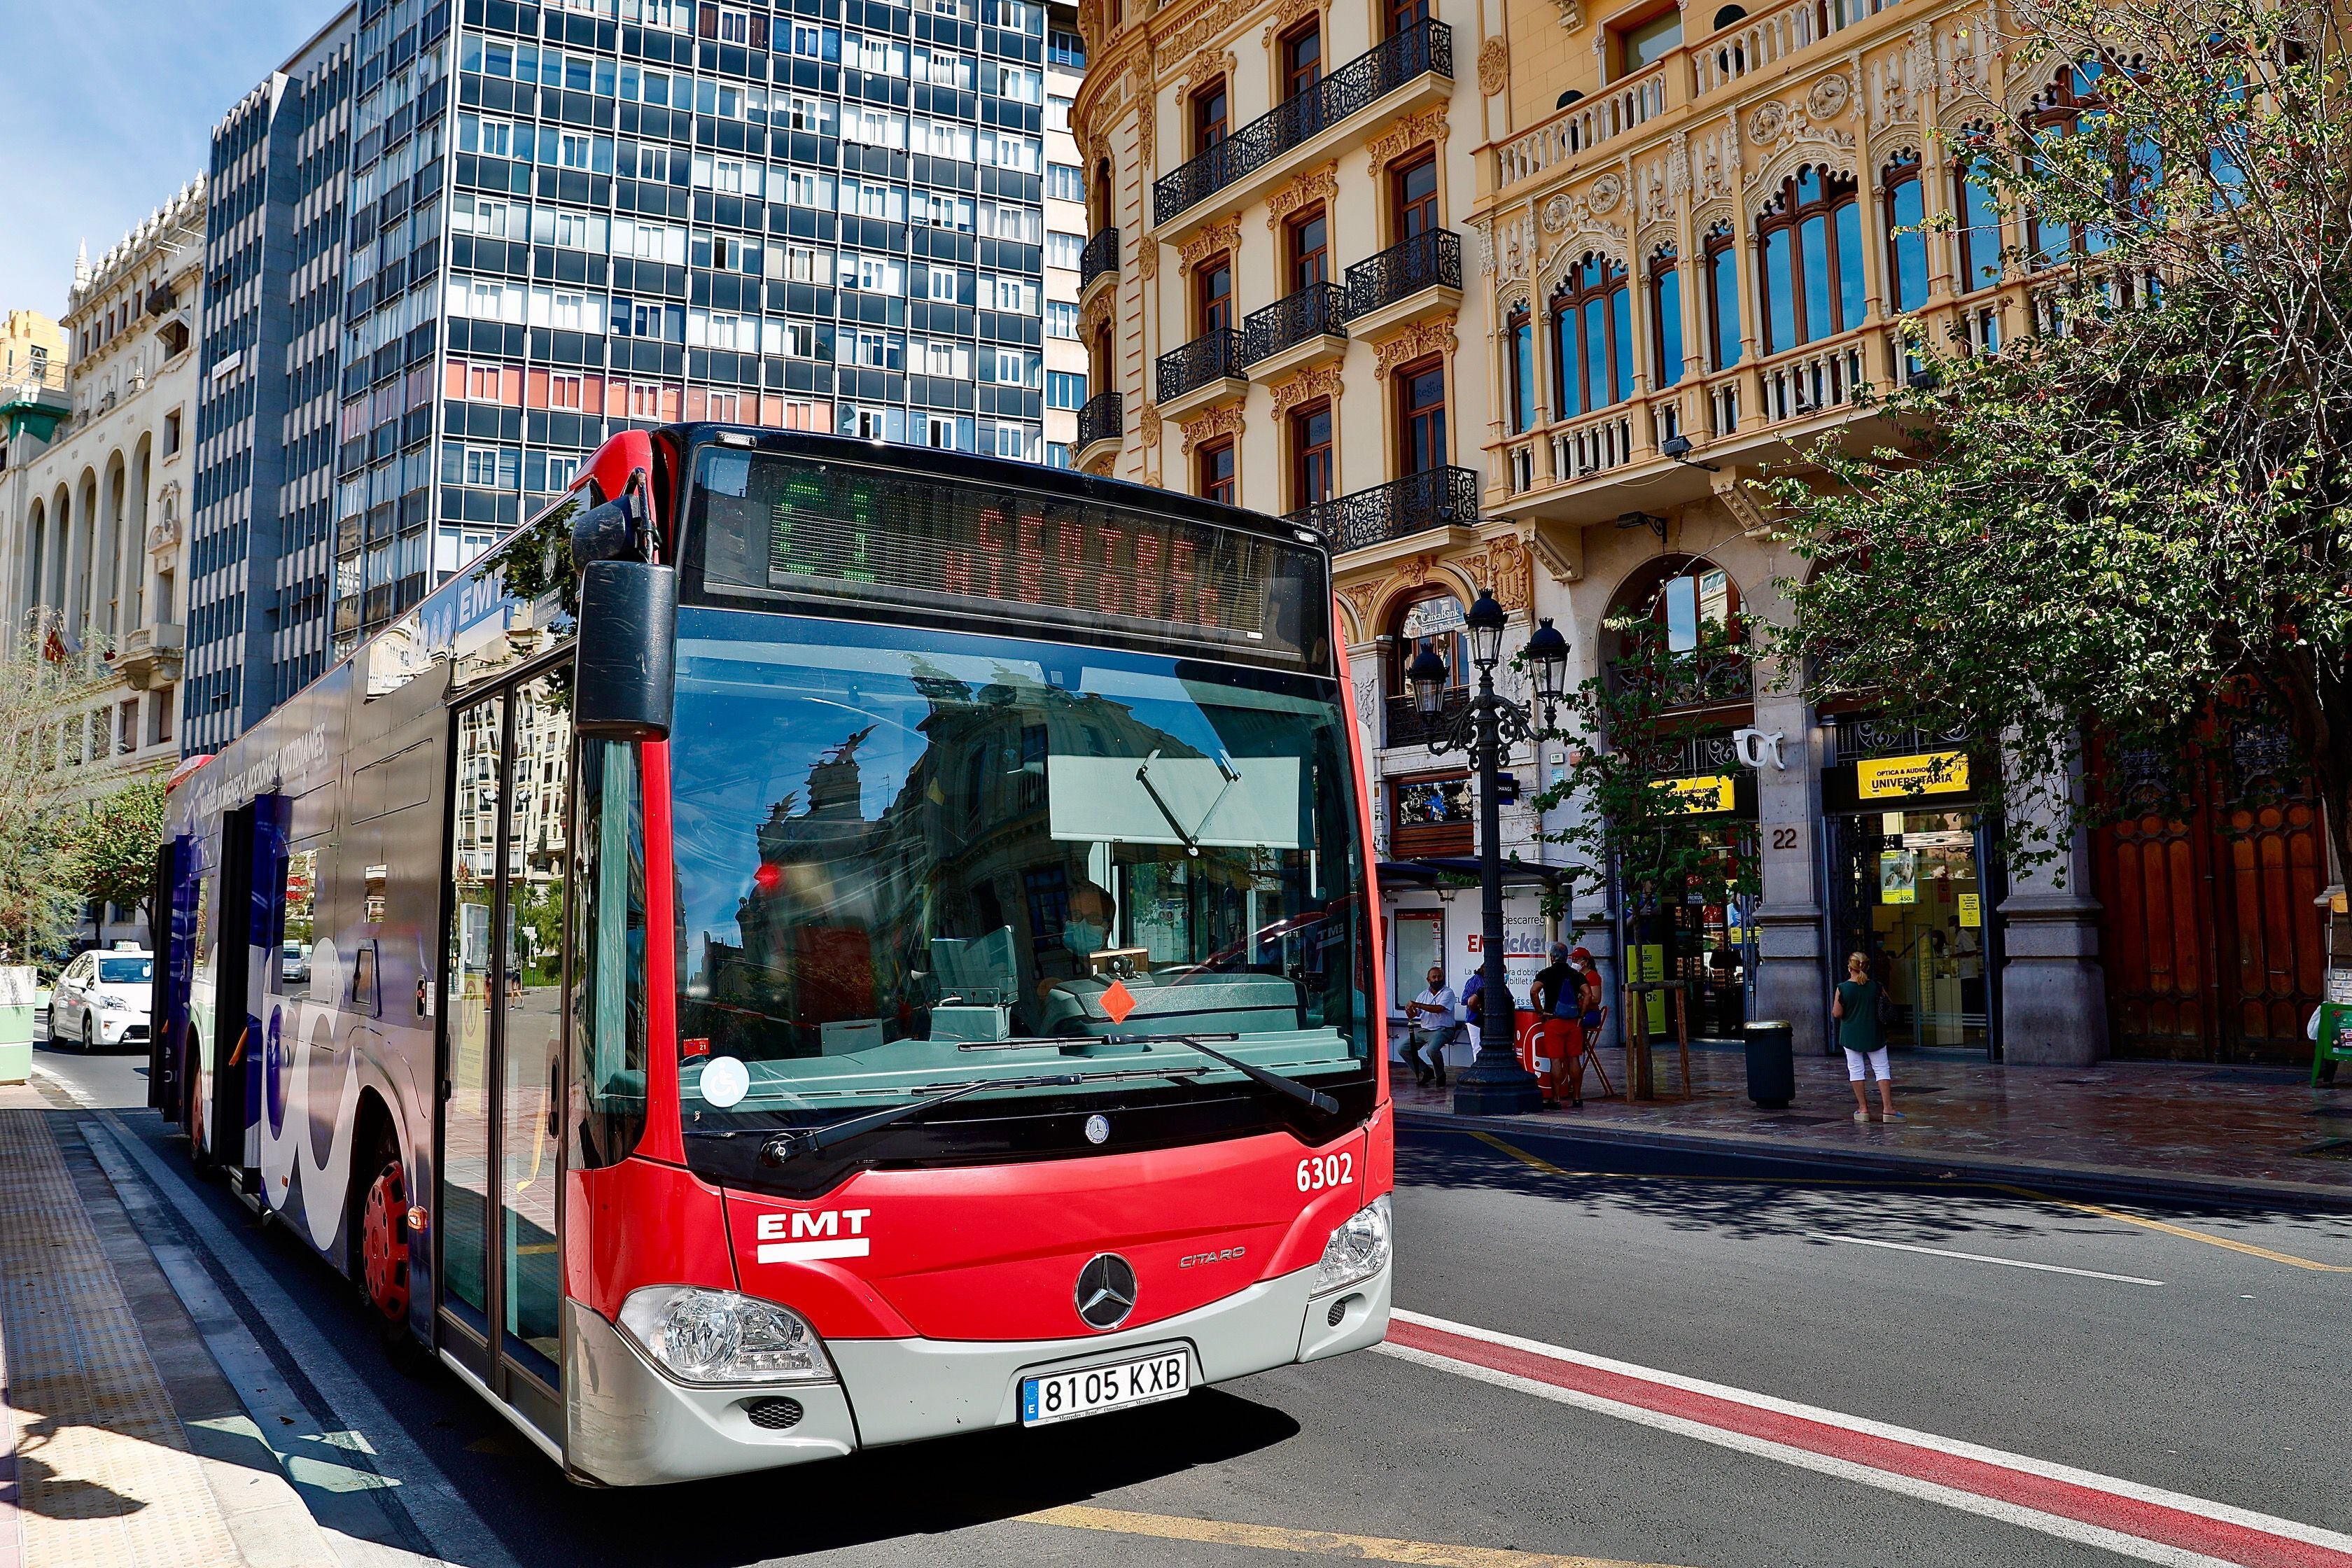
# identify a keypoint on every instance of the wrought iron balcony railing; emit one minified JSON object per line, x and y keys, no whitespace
{"x":1316,"y":311}
{"x":1101,"y":255}
{"x":1208,"y":357}
{"x":1435,"y":497}
{"x":1409,"y":726}
{"x":1425,"y":47}
{"x":1428,"y":261}
{"x":1100,"y":419}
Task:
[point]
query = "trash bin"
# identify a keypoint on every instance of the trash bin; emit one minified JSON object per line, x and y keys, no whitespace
{"x":1771,"y":1065}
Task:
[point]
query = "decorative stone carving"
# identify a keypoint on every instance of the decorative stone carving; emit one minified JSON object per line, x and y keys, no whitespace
{"x":1316,"y":381}
{"x":1764,"y":124}
{"x":1571,"y":14}
{"x":1311,"y":186}
{"x":1224,"y":420}
{"x":1289,"y":12}
{"x":1404,"y":136}
{"x":1095,"y":312}
{"x":1361,"y":597}
{"x":1514,"y":246}
{"x":1571,"y":218}
{"x":1205,"y":22}
{"x":1226,"y":236}
{"x":1803,"y":141}
{"x":1563,"y":570}
{"x":1421,"y":338}
{"x":1147,"y":129}
{"x":1828,"y":97}
{"x":1607,"y":194}
{"x":1205,"y":66}
{"x":1514,"y":578}
{"x":1742,"y":502}
{"x":1149,"y":424}
{"x":1494,"y":66}
{"x":1147,"y":261}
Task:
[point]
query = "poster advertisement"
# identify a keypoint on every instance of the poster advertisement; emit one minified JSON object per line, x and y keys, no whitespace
{"x":1898,"y":877}
{"x":1971,"y":911}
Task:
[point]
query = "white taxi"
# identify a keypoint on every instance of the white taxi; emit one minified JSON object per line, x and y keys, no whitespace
{"x":102,"y":999}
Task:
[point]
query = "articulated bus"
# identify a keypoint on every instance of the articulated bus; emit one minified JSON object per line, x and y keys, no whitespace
{"x":809,"y":945}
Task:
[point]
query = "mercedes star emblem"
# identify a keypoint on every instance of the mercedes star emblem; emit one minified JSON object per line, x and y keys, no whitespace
{"x":1097,"y":1128}
{"x":1105,"y":1292}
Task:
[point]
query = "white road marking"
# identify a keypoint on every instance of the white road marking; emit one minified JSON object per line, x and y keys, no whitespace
{"x":1982,"y":1258}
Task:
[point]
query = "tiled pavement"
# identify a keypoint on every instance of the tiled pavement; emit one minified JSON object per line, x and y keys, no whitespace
{"x":2259,"y":1133}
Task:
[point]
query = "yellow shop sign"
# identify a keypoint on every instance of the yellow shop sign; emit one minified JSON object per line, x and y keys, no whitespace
{"x":1699,"y":796}
{"x":1928,"y":773}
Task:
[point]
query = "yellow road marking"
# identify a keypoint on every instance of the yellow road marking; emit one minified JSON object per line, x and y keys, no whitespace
{"x":1267,"y":1538}
{"x":2249,"y":1248}
{"x":1516,"y":1152}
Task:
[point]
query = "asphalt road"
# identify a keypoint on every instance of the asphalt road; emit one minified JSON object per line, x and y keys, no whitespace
{"x":2201,"y":1352}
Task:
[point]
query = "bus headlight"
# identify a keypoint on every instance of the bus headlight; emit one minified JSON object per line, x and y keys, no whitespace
{"x":1358,"y":1249}
{"x":699,"y":1335}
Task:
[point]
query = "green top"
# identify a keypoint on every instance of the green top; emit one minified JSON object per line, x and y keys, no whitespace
{"x":1858,"y":1030}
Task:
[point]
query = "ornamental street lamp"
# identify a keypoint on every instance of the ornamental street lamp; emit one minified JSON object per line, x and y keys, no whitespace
{"x":1496,"y":1084}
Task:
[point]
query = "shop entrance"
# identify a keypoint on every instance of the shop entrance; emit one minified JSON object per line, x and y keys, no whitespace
{"x":1908,"y":890}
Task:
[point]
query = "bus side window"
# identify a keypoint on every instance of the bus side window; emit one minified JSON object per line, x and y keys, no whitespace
{"x":608,"y":965}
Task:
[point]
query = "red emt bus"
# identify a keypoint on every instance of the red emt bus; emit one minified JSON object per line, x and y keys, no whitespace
{"x":809,"y":945}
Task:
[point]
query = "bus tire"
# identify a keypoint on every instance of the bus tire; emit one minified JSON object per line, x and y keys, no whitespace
{"x":382,"y":1242}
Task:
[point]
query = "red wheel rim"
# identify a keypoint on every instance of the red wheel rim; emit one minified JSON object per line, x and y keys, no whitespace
{"x":384,"y":1243}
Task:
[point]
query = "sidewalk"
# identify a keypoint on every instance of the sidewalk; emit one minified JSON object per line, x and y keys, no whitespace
{"x":2188,"y":1130}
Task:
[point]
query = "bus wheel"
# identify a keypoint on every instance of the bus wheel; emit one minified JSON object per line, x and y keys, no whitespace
{"x":383,"y":1244}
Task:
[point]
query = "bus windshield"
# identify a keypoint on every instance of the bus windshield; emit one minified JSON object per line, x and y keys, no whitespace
{"x":902,"y":853}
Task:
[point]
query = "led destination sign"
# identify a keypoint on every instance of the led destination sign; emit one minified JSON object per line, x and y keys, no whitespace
{"x":773,"y":524}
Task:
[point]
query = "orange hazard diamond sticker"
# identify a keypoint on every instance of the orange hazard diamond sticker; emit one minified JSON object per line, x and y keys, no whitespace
{"x":1118,"y":1002}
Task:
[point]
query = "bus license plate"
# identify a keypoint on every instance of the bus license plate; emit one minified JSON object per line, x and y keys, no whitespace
{"x":1066,"y":1395}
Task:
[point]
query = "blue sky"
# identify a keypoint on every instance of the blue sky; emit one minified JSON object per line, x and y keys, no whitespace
{"x":107,"y":108}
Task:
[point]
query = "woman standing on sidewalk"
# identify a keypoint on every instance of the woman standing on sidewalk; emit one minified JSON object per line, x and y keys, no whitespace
{"x":1856,"y":1011}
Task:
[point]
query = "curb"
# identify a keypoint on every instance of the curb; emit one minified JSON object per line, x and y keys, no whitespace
{"x":1904,"y":1164}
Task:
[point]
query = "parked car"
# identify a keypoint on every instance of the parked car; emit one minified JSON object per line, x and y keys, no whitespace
{"x":101,"y":999}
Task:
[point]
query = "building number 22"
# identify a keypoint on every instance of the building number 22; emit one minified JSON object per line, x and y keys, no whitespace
{"x":1325,"y":1171}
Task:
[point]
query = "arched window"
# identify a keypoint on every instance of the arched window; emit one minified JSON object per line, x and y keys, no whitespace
{"x":1519,"y":331}
{"x":1906,"y":242}
{"x":1432,"y":621}
{"x":1565,"y":99}
{"x":1687,"y":608}
{"x":1722,"y":298}
{"x":1977,"y":233}
{"x":1592,"y":338}
{"x":2073,"y":105}
{"x":1665,"y":317}
{"x":1728,"y":15}
{"x":1810,"y":239}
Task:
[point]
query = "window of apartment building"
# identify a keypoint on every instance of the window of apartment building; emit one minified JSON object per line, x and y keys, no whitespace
{"x":1209,"y":116}
{"x":1312,"y":474}
{"x":1978,"y":235}
{"x":1665,"y":316}
{"x":1063,"y":250}
{"x":1060,"y":320}
{"x":1648,"y":41}
{"x":1057,"y":454}
{"x":1065,"y":182}
{"x":1308,"y":238}
{"x":1217,"y":470}
{"x":171,"y":432}
{"x":159,"y":718}
{"x":567,"y":391}
{"x":1592,"y":338}
{"x":1213,"y":294}
{"x":1068,"y":50}
{"x":1065,"y":389}
{"x":1401,"y":15}
{"x":1810,"y":239}
{"x":1722,"y":298}
{"x":126,"y":727}
{"x":1057,"y":112}
{"x":1519,"y":338}
{"x":1421,"y":409}
{"x":1302,"y":58}
{"x":1413,"y":196}
{"x":1906,"y":242}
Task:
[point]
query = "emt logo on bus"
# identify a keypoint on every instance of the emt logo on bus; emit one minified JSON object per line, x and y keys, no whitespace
{"x":816,"y":1234}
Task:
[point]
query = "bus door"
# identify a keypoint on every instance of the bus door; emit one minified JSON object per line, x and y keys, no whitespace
{"x":233,"y":1045}
{"x":501,"y":1046}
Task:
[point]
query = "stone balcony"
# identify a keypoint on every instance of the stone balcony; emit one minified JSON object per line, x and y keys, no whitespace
{"x":150,"y":656}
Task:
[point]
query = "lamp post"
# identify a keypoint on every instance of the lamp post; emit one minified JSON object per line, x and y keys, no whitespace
{"x":1496,"y":1084}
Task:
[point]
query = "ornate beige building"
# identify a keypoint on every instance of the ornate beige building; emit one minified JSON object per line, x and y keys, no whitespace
{"x":95,"y":494}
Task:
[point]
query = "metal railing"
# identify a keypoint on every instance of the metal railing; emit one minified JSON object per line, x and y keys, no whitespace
{"x":1101,"y":255}
{"x":1319,"y":309}
{"x":1407,"y":725}
{"x":1425,"y":47}
{"x":1100,"y":419}
{"x":1435,"y":497}
{"x":1431,"y":260}
{"x":1212,"y":356}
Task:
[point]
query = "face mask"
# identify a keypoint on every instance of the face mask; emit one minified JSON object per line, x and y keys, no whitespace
{"x":1082,"y":936}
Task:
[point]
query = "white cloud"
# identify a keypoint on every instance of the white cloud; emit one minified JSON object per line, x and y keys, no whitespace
{"x":107,"y":107}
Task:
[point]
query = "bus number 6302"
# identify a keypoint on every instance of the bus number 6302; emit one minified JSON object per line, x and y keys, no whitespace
{"x":1325,"y":1171}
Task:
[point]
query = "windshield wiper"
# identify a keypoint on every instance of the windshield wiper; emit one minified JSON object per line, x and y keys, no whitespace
{"x":1290,"y":1086}
{"x":789,"y":1145}
{"x":1190,"y":837}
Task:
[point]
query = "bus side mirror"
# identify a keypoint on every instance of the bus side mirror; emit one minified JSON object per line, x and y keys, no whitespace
{"x":606,"y":532}
{"x":629,"y":647}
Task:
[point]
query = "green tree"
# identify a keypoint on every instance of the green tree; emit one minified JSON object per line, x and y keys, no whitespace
{"x":47,"y":687}
{"x":2134,"y":522}
{"x":116,"y":840}
{"x":1632,"y":724}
